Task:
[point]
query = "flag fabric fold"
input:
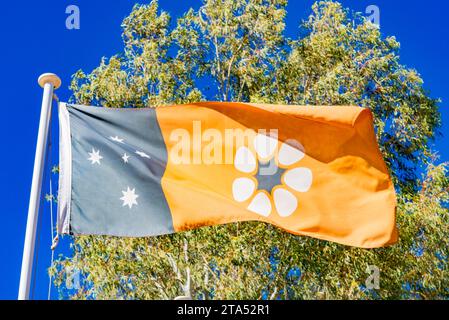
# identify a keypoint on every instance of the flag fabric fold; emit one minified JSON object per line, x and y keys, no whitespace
{"x":312,"y":171}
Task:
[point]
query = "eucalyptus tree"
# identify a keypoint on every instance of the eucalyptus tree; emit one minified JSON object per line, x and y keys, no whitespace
{"x":236,"y":50}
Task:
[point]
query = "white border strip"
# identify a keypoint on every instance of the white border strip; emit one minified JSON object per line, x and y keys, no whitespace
{"x":65,"y":171}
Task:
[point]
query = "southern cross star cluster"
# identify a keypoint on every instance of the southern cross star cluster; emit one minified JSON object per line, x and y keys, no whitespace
{"x":129,"y":197}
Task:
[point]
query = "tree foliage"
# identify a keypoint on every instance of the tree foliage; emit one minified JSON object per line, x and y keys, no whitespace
{"x":236,"y":50}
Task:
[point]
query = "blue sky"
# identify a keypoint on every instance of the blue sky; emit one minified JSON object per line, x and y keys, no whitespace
{"x":35,"y":40}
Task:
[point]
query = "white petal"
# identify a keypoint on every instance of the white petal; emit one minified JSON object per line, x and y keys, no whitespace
{"x":285,"y":202}
{"x":290,"y":152}
{"x":244,"y":160}
{"x":242,"y":189}
{"x":299,"y":179}
{"x":265,"y":145}
{"x":260,"y":204}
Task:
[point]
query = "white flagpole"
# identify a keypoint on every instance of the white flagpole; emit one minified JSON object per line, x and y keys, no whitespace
{"x":49,"y":82}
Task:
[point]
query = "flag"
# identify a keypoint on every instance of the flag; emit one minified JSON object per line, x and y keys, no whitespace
{"x":312,"y":171}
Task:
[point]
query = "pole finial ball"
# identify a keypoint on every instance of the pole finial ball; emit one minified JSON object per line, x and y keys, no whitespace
{"x":49,"y":78}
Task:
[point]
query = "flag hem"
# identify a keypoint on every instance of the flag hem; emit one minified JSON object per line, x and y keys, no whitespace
{"x":65,"y":171}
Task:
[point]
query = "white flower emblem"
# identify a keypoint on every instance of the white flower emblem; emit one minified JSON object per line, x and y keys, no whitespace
{"x":271,"y":188}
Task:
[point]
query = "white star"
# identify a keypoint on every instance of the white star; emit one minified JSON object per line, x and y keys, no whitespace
{"x":125,"y":158}
{"x":95,"y":156}
{"x":129,"y":197}
{"x":116,"y":138}
{"x":143,"y":154}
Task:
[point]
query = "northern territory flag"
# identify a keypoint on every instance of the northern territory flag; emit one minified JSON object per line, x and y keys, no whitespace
{"x":313,"y":171}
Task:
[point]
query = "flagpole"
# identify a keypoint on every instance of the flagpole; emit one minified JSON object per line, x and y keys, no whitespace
{"x":49,"y":82}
